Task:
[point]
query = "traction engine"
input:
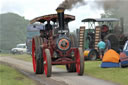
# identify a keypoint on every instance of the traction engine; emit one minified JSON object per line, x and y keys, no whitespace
{"x":54,"y":46}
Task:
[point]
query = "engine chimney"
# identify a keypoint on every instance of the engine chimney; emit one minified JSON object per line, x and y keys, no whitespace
{"x":60,"y":12}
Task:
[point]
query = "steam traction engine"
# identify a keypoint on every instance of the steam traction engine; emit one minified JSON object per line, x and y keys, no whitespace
{"x":54,"y":46}
{"x":109,"y":28}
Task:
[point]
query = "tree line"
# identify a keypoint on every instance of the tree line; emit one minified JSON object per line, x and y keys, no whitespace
{"x":12,"y":30}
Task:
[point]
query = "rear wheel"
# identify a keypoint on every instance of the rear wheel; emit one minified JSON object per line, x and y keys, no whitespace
{"x":37,"y":57}
{"x":74,"y":40}
{"x":71,"y":67}
{"x":80,"y":62}
{"x":47,"y":62}
{"x":113,"y":40}
{"x":93,"y":54}
{"x":39,"y":62}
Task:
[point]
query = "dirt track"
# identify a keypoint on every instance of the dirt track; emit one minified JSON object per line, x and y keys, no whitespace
{"x":59,"y":76}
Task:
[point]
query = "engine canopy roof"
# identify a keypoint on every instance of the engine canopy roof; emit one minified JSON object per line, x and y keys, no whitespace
{"x":52,"y":17}
{"x":101,"y":20}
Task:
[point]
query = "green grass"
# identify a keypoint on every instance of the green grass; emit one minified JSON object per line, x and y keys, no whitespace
{"x":117,"y":75}
{"x":92,"y":68}
{"x":9,"y":76}
{"x":24,"y":57}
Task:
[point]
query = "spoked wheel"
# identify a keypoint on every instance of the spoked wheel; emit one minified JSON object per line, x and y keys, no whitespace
{"x":47,"y":62}
{"x":71,"y":67}
{"x":113,"y":41}
{"x":80,"y":62}
{"x":37,"y":57}
{"x":93,"y":54}
{"x":39,"y":62}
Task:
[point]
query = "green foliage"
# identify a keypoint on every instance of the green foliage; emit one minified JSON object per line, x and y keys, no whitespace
{"x":9,"y":76}
{"x":12,"y":30}
{"x":24,"y":57}
{"x":117,"y":75}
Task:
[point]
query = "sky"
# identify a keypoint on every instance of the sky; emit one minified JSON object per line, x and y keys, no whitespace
{"x":34,"y":8}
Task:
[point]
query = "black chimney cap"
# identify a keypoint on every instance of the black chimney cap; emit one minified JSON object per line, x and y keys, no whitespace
{"x":60,"y":9}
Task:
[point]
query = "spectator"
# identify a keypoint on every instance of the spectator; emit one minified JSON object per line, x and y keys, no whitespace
{"x":101,"y":46}
{"x":108,"y":44}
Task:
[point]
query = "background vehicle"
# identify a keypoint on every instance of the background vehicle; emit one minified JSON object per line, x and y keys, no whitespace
{"x":20,"y":49}
{"x":55,"y":46}
{"x":109,"y":28}
{"x":126,"y":46}
{"x":124,"y":56}
{"x":32,"y":30}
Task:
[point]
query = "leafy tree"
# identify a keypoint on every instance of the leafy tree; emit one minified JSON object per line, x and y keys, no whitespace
{"x":12,"y":30}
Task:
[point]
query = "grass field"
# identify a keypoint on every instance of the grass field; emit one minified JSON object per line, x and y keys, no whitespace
{"x":24,"y":57}
{"x":92,"y":68}
{"x":9,"y":76}
{"x":117,"y":75}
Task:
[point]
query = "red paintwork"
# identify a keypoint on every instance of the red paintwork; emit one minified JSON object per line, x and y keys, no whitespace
{"x":52,"y":17}
{"x":62,"y":59}
{"x":33,"y":55}
{"x":45,"y":60}
{"x":77,"y":54}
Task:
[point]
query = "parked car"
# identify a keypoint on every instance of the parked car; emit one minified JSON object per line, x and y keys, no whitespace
{"x":20,"y":49}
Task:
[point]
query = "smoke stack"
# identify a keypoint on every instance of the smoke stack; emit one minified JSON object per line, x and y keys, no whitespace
{"x":60,"y":12}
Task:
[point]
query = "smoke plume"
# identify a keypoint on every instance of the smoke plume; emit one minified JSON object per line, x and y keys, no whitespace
{"x":117,"y":7}
{"x":69,"y":4}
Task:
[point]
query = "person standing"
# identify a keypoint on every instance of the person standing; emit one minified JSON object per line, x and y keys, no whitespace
{"x":108,"y":44}
{"x":101,"y":46}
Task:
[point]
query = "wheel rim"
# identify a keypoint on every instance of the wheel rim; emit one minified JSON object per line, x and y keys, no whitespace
{"x":78,"y":66}
{"x":33,"y":55}
{"x":45,"y":64}
{"x":78,"y":62}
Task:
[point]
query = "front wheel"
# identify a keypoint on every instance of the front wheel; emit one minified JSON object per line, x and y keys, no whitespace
{"x":79,"y":62}
{"x":47,"y":62}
